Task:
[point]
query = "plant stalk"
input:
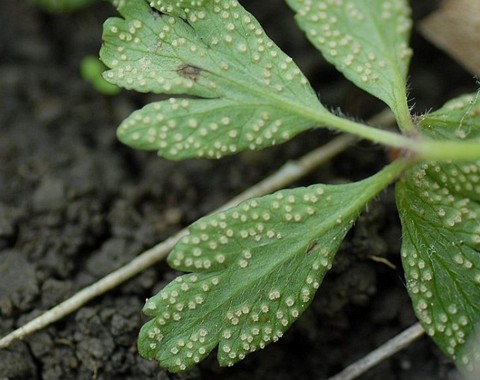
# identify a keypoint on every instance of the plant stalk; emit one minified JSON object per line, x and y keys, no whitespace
{"x":419,"y":147}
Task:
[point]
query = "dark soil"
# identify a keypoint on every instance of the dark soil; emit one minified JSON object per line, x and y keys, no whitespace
{"x":75,"y":205}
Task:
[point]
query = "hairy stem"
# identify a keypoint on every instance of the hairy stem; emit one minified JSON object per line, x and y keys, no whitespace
{"x":403,"y":116}
{"x":447,"y":150}
{"x":420,"y":148}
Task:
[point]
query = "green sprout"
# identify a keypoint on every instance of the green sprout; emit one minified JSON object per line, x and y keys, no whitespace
{"x":254,"y":269}
{"x":91,"y":70}
{"x":60,"y":6}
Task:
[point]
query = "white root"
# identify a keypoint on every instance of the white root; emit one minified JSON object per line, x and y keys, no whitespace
{"x":389,"y":348}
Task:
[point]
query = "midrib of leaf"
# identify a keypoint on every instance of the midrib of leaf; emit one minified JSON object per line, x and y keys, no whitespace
{"x":278,"y":101}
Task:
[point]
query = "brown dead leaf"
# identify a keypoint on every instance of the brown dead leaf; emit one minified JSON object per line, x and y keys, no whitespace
{"x":455,"y":28}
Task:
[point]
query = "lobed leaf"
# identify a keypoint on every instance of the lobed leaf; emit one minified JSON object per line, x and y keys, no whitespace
{"x":247,"y":93}
{"x":366,"y":40}
{"x":255,"y":268}
{"x":439,"y":205}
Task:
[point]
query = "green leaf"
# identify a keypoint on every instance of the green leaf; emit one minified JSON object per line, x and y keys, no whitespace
{"x":439,"y":205}
{"x":247,"y":93}
{"x":256,"y":267}
{"x":366,"y":40}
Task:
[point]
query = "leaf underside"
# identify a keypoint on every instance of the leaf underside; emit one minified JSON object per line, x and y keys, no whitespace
{"x":255,"y":268}
{"x":439,"y":205}
{"x":366,"y":40}
{"x":237,"y":90}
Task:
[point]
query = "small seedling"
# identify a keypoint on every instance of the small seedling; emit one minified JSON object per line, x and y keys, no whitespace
{"x":91,"y":70}
{"x":60,"y":6}
{"x":254,"y":269}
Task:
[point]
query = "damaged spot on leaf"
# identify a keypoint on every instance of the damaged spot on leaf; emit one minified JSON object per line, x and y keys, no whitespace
{"x":189,"y":72}
{"x":312,"y":247}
